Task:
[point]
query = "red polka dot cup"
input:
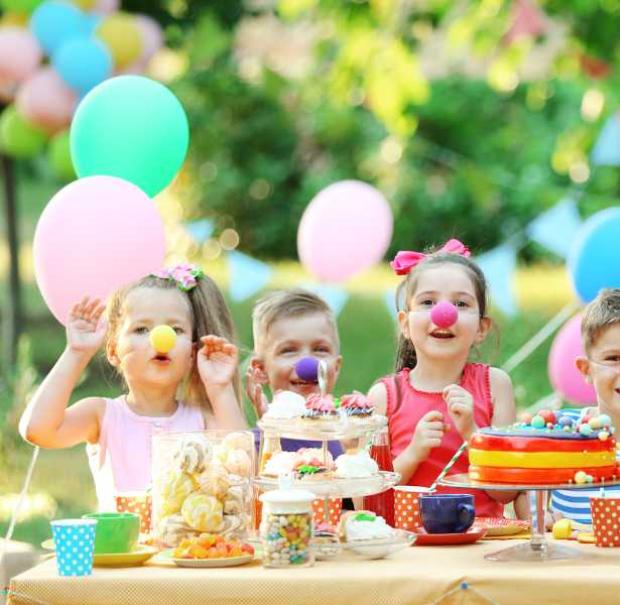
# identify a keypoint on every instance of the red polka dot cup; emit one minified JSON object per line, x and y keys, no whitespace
{"x":136,"y":502}
{"x":606,"y":521}
{"x":407,"y":506}
{"x":334,"y":509}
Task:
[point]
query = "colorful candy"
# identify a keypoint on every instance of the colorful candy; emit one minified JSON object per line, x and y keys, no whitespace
{"x":562,"y":529}
{"x":286,"y":539}
{"x":538,"y":422}
{"x":581,"y":477}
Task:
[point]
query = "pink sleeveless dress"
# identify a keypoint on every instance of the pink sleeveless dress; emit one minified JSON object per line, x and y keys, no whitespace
{"x":121,"y":460}
{"x":406,"y":406}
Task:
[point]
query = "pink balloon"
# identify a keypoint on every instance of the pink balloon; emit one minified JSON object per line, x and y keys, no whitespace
{"x":20,"y":54}
{"x":95,"y":235}
{"x":152,"y":38}
{"x":47,"y":101}
{"x":8,"y":90}
{"x":345,"y":229}
{"x":151,"y":35}
{"x":564,"y":376}
{"x":105,"y":7}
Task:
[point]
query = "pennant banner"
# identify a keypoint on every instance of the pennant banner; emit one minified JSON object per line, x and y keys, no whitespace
{"x":498,"y":266}
{"x":334,"y":296}
{"x":606,"y":150}
{"x":201,"y":230}
{"x":389,"y":298}
{"x":247,"y":275}
{"x":555,"y":229}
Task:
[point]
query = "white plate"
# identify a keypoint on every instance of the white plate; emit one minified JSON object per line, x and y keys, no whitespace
{"x":378,"y":549}
{"x":338,"y":487}
{"x":319,"y":430}
{"x":201,"y":563}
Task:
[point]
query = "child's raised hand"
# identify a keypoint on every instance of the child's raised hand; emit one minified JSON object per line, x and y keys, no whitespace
{"x":428,"y":434}
{"x":461,"y":409}
{"x":254,"y":391}
{"x":85,"y":328}
{"x":217,"y":361}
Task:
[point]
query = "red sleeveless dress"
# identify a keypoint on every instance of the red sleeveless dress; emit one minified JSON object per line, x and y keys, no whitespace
{"x":406,"y":406}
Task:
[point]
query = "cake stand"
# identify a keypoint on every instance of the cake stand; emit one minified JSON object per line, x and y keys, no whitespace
{"x":331,"y":487}
{"x":538,"y":548}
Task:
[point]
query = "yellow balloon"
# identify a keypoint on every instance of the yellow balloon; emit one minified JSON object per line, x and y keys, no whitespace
{"x":122,"y":36}
{"x":162,"y":338}
{"x":85,"y":5}
{"x":14,"y":20}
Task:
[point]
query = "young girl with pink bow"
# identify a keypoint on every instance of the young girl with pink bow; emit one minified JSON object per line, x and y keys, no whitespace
{"x":438,"y":398}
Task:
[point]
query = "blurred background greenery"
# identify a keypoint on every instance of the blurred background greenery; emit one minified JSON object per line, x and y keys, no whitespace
{"x":470,"y":125}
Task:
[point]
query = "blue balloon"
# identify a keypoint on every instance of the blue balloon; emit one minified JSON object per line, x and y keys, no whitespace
{"x":56,"y":22}
{"x":91,"y":22}
{"x":594,"y":261}
{"x":83,"y":63}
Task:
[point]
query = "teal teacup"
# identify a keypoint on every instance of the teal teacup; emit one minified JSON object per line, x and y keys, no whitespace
{"x":116,"y":532}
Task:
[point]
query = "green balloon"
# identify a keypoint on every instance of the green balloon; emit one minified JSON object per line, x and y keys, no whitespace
{"x":59,"y":155}
{"x":19,"y":138}
{"x":133,"y":128}
{"x":20,"y":6}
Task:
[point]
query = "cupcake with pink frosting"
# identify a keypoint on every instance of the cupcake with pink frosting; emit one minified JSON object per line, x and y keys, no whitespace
{"x":320,"y":408}
{"x":357,"y":406}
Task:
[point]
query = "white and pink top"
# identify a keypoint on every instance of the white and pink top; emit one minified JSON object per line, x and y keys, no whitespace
{"x":121,"y":460}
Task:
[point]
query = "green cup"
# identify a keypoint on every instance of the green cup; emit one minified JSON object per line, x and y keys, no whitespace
{"x":116,"y":532}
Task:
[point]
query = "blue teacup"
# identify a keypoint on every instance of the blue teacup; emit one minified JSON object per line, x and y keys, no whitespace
{"x":447,"y":513}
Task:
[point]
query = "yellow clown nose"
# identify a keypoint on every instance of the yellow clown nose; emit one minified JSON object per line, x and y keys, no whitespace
{"x":162,"y":338}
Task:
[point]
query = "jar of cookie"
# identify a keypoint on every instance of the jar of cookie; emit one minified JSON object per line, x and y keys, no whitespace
{"x":201,"y":484}
{"x":286,"y":528}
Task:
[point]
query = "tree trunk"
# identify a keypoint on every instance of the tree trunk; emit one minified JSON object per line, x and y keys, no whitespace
{"x":13,"y":316}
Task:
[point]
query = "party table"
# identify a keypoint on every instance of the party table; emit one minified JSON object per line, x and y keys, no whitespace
{"x":414,"y":575}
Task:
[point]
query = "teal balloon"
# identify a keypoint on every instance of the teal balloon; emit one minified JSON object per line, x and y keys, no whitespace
{"x":133,"y":128}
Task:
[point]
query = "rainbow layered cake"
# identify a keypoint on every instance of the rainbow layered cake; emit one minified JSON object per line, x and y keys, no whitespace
{"x":547,"y":448}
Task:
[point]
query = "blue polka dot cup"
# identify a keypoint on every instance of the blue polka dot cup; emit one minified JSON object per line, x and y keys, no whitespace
{"x":75,"y":543}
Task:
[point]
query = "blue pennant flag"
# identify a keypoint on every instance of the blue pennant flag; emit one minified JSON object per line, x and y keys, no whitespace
{"x":334,"y":296}
{"x":247,"y":275}
{"x":201,"y":230}
{"x":555,"y":228}
{"x":498,"y":266}
{"x":606,"y":150}
{"x":389,"y":298}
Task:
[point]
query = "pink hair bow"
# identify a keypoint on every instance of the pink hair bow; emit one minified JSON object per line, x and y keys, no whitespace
{"x":406,"y":260}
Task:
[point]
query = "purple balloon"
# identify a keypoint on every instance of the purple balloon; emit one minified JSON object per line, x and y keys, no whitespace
{"x":307,"y":369}
{"x":444,"y":314}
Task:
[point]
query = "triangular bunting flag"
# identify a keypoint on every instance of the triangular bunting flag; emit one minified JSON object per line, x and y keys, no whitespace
{"x":555,"y":228}
{"x":389,"y":298}
{"x":498,"y":266}
{"x":201,"y":230}
{"x":247,"y":275}
{"x":606,"y":150}
{"x":334,"y":296}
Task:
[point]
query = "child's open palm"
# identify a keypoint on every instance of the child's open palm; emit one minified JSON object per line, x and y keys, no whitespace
{"x":461,"y":409}
{"x":217,"y":361}
{"x":85,"y":328}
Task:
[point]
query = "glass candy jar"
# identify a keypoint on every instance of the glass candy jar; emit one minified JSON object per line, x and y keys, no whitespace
{"x":286,"y":528}
{"x":201,"y":484}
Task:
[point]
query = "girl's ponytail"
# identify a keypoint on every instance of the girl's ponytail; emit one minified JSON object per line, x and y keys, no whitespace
{"x":405,"y":354}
